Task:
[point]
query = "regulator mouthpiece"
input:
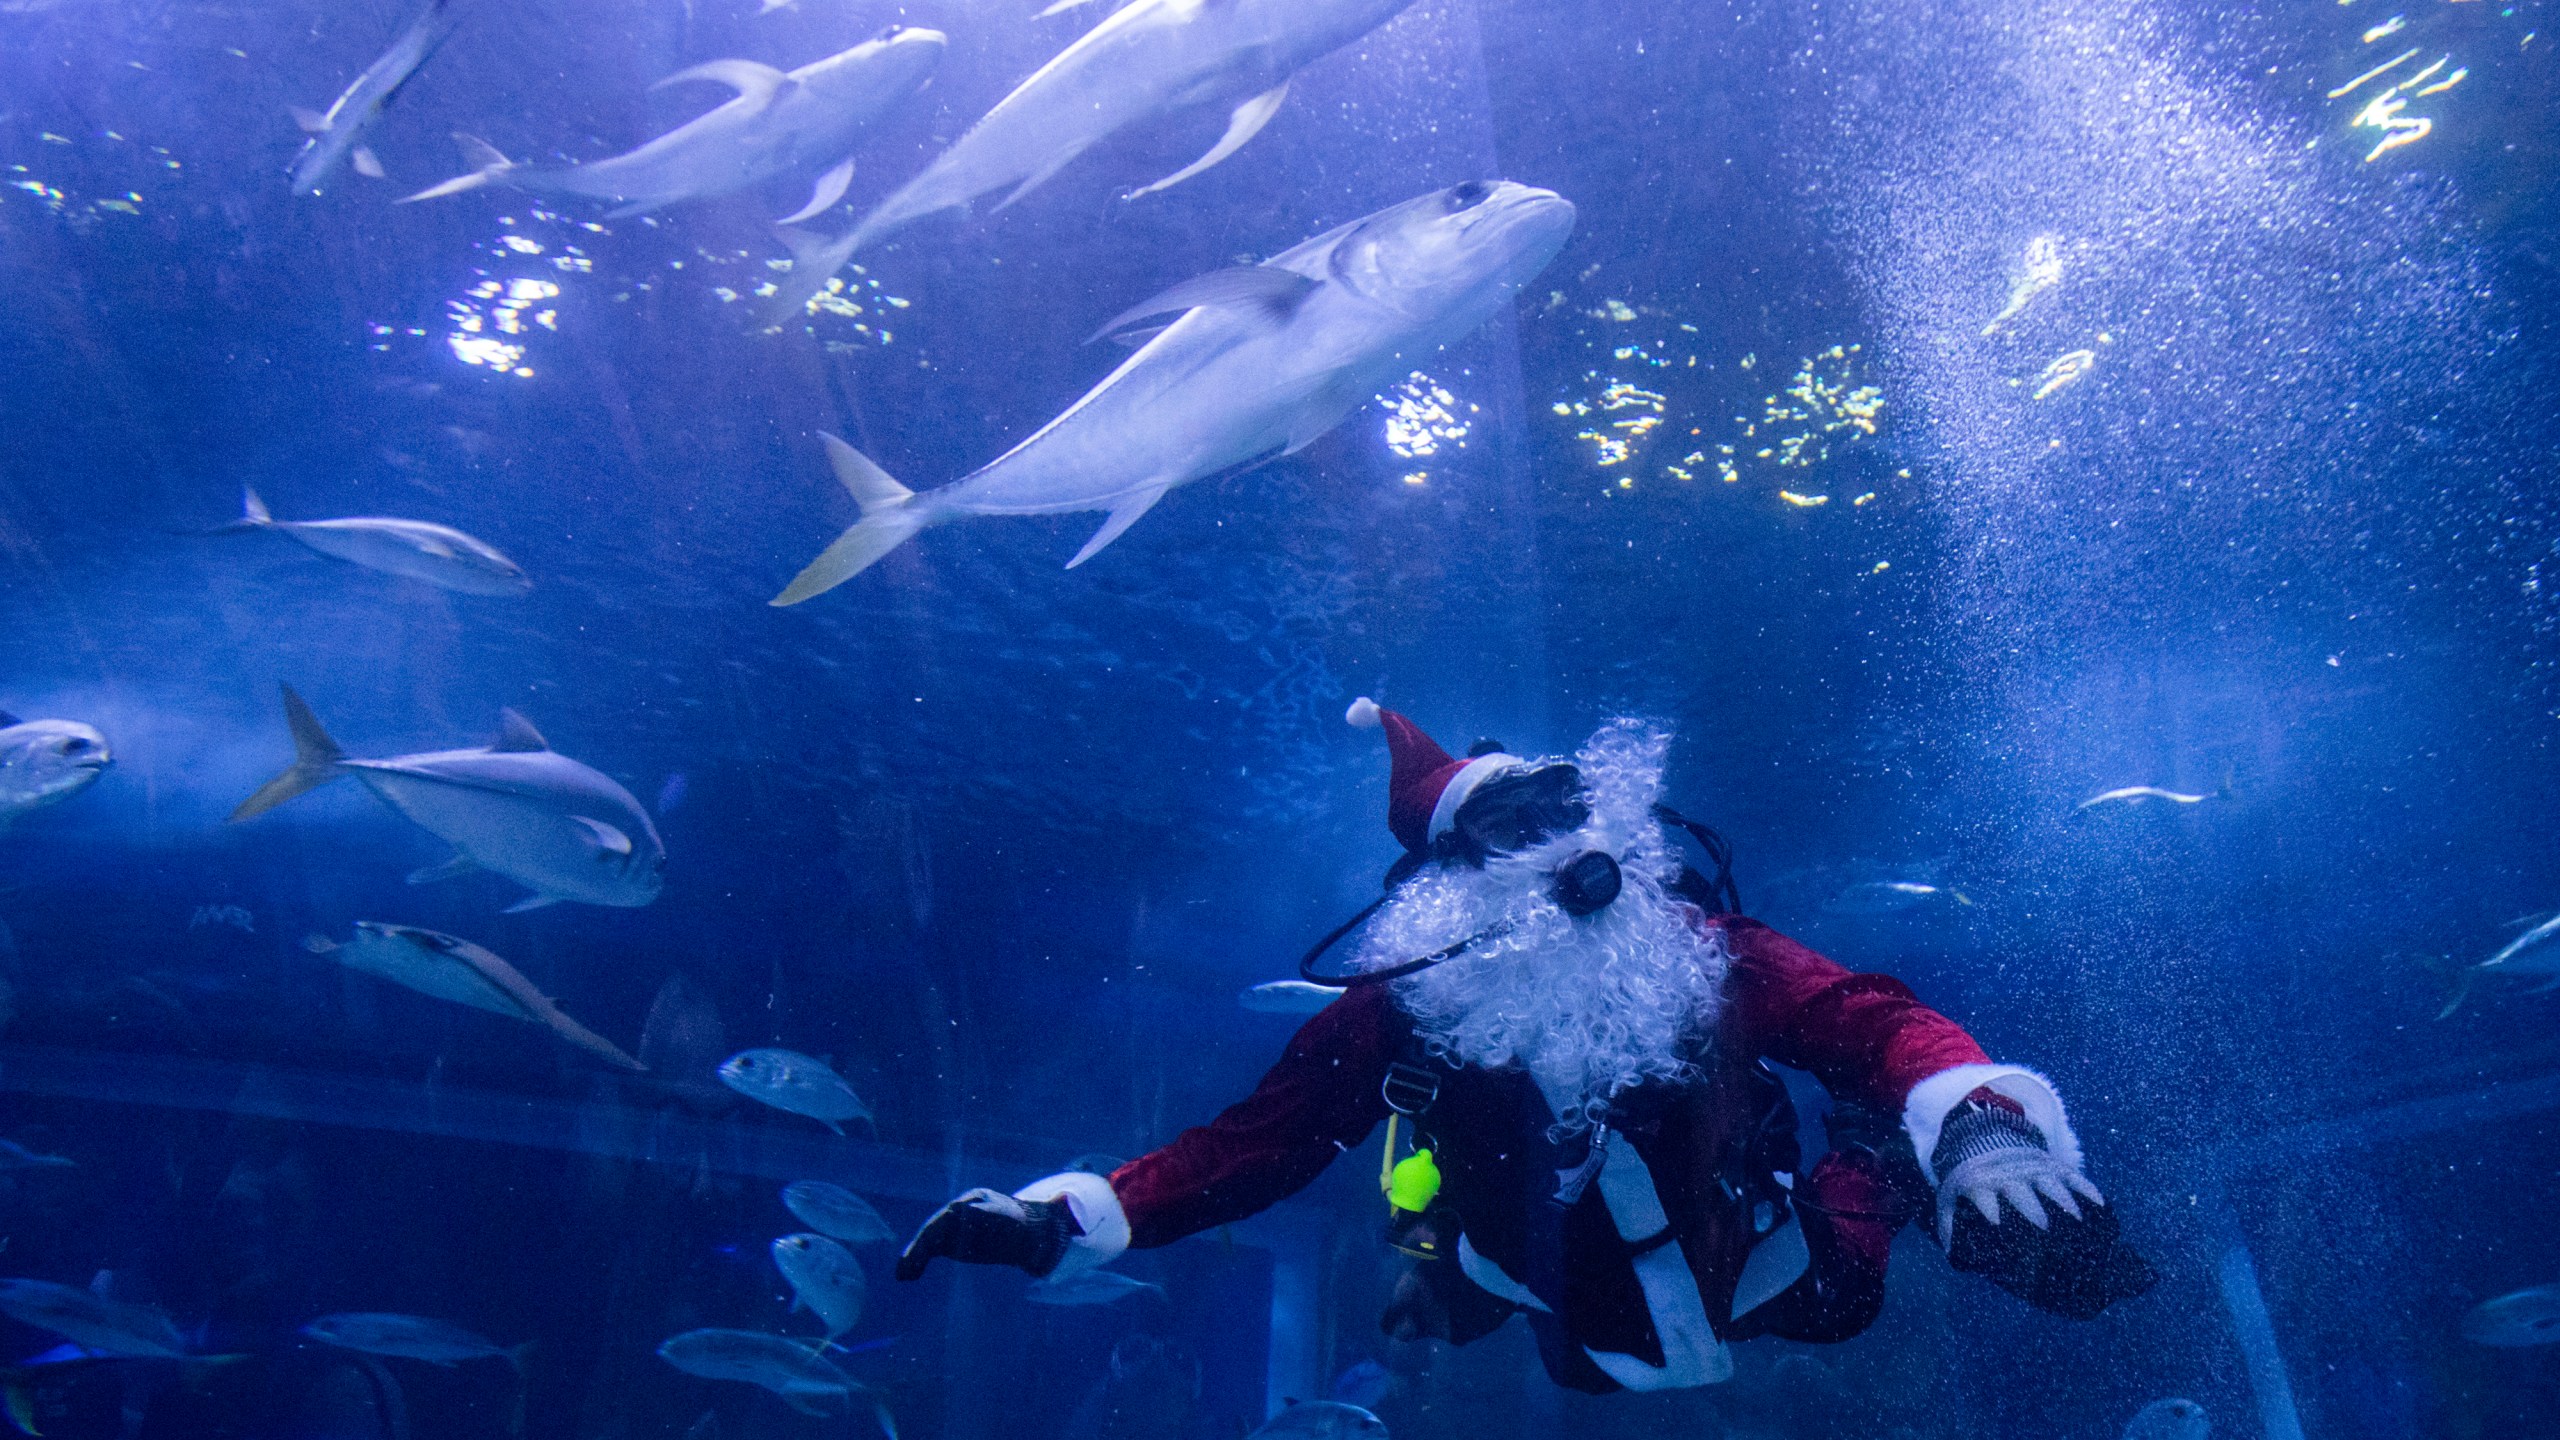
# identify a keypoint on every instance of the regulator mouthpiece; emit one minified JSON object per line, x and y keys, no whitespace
{"x":1587,"y":883}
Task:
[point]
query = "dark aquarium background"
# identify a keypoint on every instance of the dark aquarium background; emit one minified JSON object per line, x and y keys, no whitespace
{"x":1942,"y":414}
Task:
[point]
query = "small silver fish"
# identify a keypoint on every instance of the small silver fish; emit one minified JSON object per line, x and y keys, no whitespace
{"x":14,"y":1156}
{"x":515,"y":807}
{"x":806,"y":1381}
{"x":44,"y":762}
{"x":1288,"y":997}
{"x":341,"y":131}
{"x":449,"y":968}
{"x":2526,"y":957}
{"x":801,"y":1084}
{"x":824,"y":1277}
{"x":1322,"y":1420}
{"x":1885,"y":897}
{"x":1089,"y":1287}
{"x":2516,"y":1319}
{"x":110,"y":1327}
{"x":409,"y":1337}
{"x":2169,"y":1420}
{"x":2131,"y":793}
{"x":834,"y":1210}
{"x":416,"y":549}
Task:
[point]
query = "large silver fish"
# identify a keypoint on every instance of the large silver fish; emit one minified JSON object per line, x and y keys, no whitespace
{"x":1269,"y":357}
{"x":410,"y":1337}
{"x":777,"y":124}
{"x":449,"y":968}
{"x":1151,"y":58}
{"x":824,"y":1277}
{"x":110,"y":1327}
{"x":341,"y":131}
{"x":417,"y":549}
{"x":45,"y":761}
{"x":514,"y":807}
{"x":806,"y":1380}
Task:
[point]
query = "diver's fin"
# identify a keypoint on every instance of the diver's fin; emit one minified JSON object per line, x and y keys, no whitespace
{"x":487,"y":163}
{"x":459,"y":865}
{"x":758,"y":83}
{"x":1123,"y":515}
{"x":1243,"y":125}
{"x":315,"y":761}
{"x":889,"y":519}
{"x":871,"y":486}
{"x":822,"y":198}
{"x":368,"y":164}
{"x":1275,"y":290}
{"x":531,"y":902}
{"x":516,"y":735}
{"x":311,"y":121}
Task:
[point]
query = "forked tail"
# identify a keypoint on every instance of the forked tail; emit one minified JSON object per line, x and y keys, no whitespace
{"x":890,"y":517}
{"x":315,"y":761}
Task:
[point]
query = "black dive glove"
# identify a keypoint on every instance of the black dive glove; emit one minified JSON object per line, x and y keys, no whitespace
{"x":986,"y":1227}
{"x":2074,"y":1263}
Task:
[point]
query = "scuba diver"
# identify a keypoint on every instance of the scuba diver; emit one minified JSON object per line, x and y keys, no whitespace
{"x":1579,"y":1029}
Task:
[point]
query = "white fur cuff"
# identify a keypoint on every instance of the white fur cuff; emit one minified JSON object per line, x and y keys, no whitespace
{"x":1925,"y":1110}
{"x":1097,"y":1210}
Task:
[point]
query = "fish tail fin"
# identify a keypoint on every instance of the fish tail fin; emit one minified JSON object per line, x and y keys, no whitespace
{"x":253,"y":516}
{"x":2461,"y":991}
{"x":318,"y":944}
{"x":487,"y":163}
{"x":519,"y":1354}
{"x":890,"y":518}
{"x":316,"y":758}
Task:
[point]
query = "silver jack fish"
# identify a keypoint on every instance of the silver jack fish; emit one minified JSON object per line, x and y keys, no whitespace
{"x":777,"y":124}
{"x":341,"y":131}
{"x":801,"y":1084}
{"x":1151,"y":58}
{"x":824,"y":1277}
{"x":110,"y":1327}
{"x":410,"y":1337}
{"x":514,"y":807}
{"x":416,"y":549}
{"x":807,"y":1381}
{"x":1268,"y":358}
{"x":45,"y":761}
{"x":834,"y":1210}
{"x":453,"y":969}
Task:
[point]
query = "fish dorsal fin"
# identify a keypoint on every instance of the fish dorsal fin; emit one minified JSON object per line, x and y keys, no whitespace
{"x":7,"y":720}
{"x":756,"y":83}
{"x":311,"y":121}
{"x":1276,"y":291}
{"x":604,"y":837}
{"x":516,"y":735}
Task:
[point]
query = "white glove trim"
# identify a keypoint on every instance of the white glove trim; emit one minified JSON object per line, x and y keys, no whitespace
{"x":1096,"y":1207}
{"x":1926,"y":1108}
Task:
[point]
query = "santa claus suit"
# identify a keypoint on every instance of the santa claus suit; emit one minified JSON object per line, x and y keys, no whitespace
{"x":1643,"y":1232}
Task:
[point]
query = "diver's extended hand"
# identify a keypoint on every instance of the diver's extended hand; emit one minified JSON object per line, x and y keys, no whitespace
{"x":1988,"y":1154}
{"x":987,"y":1227}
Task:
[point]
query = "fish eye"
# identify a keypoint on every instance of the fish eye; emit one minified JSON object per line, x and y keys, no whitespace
{"x":1468,"y":196}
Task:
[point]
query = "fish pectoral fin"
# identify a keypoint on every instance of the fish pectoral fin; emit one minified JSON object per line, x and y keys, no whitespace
{"x":1242,"y":125}
{"x":1276,"y":291}
{"x":368,"y":164}
{"x":1123,"y":515}
{"x":829,"y":189}
{"x":530,"y":902}
{"x":459,"y":865}
{"x":605,"y":839}
{"x":758,"y":83}
{"x":311,"y":121}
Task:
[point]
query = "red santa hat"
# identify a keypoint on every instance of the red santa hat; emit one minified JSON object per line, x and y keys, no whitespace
{"x":1425,"y":784}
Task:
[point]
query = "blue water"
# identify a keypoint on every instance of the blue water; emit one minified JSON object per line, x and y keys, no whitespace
{"x":2251,"y":501}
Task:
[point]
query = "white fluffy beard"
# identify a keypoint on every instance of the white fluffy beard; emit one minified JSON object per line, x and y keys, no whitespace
{"x":1590,"y":1006}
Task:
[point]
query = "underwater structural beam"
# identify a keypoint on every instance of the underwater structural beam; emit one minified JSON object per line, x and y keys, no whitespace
{"x":610,"y":1128}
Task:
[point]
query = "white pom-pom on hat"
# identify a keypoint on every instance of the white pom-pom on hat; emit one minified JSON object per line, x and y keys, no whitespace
{"x":1363,"y":714}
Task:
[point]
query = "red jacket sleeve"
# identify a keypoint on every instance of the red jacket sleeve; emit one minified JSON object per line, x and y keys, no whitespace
{"x":1864,"y":1036}
{"x":1320,"y":1100}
